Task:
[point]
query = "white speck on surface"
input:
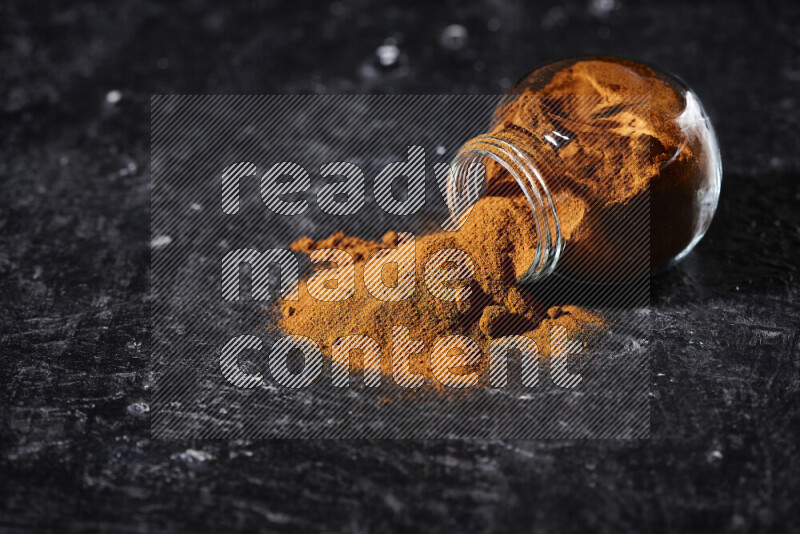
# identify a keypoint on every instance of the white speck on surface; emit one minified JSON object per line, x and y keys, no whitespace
{"x":738,"y":521}
{"x":369,"y":72}
{"x":112,"y":97}
{"x":387,"y":54}
{"x":553,"y":17}
{"x":138,"y":408}
{"x":337,"y":9}
{"x":601,"y":8}
{"x":194,"y":206}
{"x":160,"y":241}
{"x":394,"y":504}
{"x":194,"y":456}
{"x":454,"y":37}
{"x":714,"y":456}
{"x":441,"y":150}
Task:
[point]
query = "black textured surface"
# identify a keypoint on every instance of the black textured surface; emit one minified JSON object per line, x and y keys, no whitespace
{"x":74,"y":426}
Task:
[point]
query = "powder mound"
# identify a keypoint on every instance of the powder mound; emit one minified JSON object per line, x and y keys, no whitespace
{"x":494,"y":236}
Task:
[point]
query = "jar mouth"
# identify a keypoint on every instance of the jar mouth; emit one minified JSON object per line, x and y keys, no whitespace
{"x":468,"y":182}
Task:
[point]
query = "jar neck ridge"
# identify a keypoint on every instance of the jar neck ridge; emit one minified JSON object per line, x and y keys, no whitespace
{"x":468,"y":181}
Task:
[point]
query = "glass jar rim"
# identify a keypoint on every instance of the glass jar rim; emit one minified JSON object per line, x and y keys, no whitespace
{"x":466,"y":184}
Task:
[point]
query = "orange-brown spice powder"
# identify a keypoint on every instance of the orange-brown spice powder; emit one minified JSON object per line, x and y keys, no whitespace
{"x":498,"y":234}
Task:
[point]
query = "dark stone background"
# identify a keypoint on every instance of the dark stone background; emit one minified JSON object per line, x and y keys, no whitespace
{"x":74,"y":431}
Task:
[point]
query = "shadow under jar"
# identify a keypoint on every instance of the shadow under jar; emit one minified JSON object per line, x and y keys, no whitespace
{"x":618,"y":161}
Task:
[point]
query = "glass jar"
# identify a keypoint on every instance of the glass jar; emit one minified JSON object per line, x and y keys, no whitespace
{"x":618,"y":161}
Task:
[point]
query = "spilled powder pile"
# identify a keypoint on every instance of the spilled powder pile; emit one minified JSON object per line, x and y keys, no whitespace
{"x":616,"y":152}
{"x":496,"y":307}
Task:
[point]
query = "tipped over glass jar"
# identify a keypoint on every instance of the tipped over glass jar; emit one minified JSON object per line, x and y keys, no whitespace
{"x":618,"y":161}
